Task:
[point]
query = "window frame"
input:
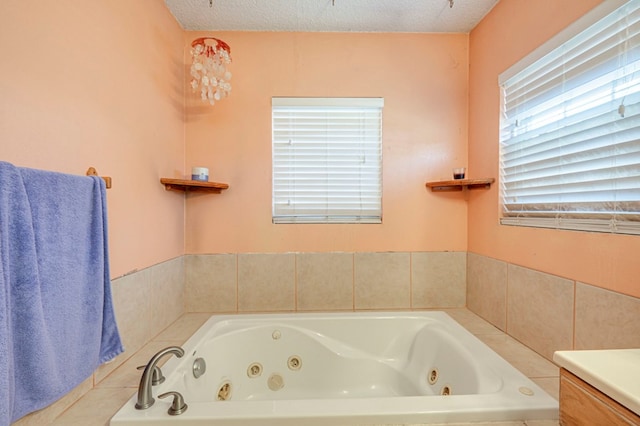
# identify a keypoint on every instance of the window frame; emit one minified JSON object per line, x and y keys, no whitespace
{"x":560,"y":219}
{"x":326,"y":160}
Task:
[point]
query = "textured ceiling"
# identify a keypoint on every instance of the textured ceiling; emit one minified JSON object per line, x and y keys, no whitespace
{"x":420,"y":16}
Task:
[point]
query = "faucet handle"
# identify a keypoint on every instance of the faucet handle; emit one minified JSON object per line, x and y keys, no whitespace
{"x":145,"y":396}
{"x":178,"y":406}
{"x":157,"y":377}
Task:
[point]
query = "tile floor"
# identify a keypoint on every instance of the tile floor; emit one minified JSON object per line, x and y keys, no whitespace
{"x":97,"y":406}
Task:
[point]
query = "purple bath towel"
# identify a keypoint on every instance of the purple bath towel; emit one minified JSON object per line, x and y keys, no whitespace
{"x":57,"y":323}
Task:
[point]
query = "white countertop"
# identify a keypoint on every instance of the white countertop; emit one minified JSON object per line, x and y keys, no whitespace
{"x":614,"y":372}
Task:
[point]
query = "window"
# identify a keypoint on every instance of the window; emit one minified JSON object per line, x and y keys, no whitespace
{"x":327,"y":155}
{"x":570,"y":128}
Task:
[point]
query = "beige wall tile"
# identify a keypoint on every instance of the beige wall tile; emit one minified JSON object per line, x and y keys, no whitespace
{"x":540,"y":310}
{"x":605,"y":319}
{"x":133,"y":315}
{"x":487,"y":289}
{"x":382,"y":280}
{"x":166,"y":294}
{"x":145,"y":302}
{"x":438,"y":279}
{"x":324,"y":281}
{"x":266,"y":282}
{"x":211,"y":283}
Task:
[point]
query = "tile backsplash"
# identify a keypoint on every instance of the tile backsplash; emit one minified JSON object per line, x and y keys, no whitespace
{"x":266,"y":282}
{"x":220,"y":273}
{"x":550,"y":313}
{"x":438,"y":279}
{"x":339,"y":281}
{"x":324,"y":281}
{"x":382,"y":281}
{"x":540,"y":310}
{"x":605,"y":319}
{"x":487,"y":289}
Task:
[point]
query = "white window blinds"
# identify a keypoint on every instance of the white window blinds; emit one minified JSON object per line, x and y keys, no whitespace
{"x":327,"y":155}
{"x":570,"y":131}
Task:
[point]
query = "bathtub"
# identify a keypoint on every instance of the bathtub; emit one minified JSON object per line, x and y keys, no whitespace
{"x":340,"y":369}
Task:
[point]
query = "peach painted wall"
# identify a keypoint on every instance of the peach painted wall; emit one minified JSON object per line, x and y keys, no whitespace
{"x":99,"y":84}
{"x":510,"y":31}
{"x":423,"y":79}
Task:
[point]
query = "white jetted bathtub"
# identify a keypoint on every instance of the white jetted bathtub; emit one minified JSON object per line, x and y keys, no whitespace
{"x":340,"y":369}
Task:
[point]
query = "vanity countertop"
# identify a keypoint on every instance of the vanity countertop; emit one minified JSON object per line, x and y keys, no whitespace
{"x":614,"y":372}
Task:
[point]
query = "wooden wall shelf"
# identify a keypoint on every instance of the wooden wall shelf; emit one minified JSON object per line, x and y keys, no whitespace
{"x":460,"y":184}
{"x":193,"y":185}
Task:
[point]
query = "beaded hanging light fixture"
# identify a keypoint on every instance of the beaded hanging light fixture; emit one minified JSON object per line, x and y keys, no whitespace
{"x":210,"y":58}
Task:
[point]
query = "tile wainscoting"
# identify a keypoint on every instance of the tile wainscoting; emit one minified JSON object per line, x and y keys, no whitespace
{"x":550,"y":313}
{"x":290,"y":282}
{"x":542,"y":311}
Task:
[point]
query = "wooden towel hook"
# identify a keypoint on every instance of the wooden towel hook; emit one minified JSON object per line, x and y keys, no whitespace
{"x":91,"y":171}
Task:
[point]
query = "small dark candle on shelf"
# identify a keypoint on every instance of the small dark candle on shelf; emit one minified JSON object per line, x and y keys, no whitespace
{"x":458,"y":173}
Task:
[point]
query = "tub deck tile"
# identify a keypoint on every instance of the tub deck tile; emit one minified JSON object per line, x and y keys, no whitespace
{"x":183,"y":327}
{"x":472,"y":322}
{"x":521,"y":357}
{"x":95,"y":408}
{"x":127,"y":375}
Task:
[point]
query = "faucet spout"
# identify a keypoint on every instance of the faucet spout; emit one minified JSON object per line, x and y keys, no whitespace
{"x":145,"y":398}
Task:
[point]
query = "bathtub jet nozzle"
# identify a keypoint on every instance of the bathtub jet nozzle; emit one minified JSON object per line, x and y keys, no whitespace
{"x":145,"y":398}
